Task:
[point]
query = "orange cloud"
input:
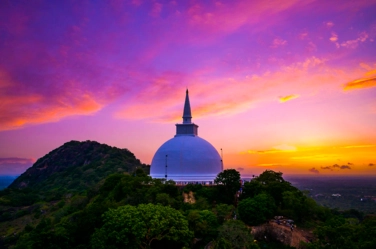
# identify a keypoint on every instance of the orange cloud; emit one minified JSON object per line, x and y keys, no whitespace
{"x":272,"y":164}
{"x":360,"y":146}
{"x":276,"y":149}
{"x":288,"y":97}
{"x":360,"y":84}
{"x":316,"y":157}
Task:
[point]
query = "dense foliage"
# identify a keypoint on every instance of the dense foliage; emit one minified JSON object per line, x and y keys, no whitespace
{"x":132,"y":210}
{"x":138,"y":226}
{"x":257,"y":210}
{"x":289,"y":201}
{"x":345,"y":233}
{"x":234,"y":235}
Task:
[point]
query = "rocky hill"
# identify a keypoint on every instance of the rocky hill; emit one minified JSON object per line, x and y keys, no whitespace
{"x":273,"y":232}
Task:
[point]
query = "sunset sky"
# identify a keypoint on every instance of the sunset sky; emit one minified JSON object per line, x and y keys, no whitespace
{"x":283,"y":85}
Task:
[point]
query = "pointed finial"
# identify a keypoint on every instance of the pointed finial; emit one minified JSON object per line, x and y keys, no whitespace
{"x":187,"y":116}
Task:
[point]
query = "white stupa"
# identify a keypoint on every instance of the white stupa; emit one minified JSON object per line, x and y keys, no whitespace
{"x":186,"y":157}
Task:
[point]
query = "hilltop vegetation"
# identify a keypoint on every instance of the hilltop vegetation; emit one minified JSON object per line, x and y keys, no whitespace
{"x":74,"y":167}
{"x":65,"y":166}
{"x":132,"y":210}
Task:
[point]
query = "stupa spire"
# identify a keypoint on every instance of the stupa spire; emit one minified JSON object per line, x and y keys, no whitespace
{"x":187,"y":116}
{"x":187,"y":128}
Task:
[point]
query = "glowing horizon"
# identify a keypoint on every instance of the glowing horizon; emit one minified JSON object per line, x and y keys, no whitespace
{"x":284,"y":86}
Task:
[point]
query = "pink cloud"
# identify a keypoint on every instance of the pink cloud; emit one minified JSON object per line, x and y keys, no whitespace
{"x":45,"y":81}
{"x":311,"y":47}
{"x":17,"y":19}
{"x":334,"y":37}
{"x":303,"y":35}
{"x":137,"y":2}
{"x":229,"y":96}
{"x":278,"y":43}
{"x":10,"y":160}
{"x":88,"y":64}
{"x":354,"y":43}
{"x":156,"y":10}
{"x":329,"y":24}
{"x":230,"y":16}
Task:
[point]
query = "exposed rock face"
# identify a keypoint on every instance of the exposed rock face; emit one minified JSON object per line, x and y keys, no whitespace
{"x":189,"y":197}
{"x":281,"y":233}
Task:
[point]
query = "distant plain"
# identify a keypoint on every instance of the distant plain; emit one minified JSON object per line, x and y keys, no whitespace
{"x":356,"y":192}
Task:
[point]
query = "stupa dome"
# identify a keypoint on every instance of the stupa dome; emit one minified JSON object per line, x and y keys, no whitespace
{"x":187,"y":156}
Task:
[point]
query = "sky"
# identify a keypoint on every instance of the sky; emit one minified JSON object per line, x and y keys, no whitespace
{"x":288,"y":86}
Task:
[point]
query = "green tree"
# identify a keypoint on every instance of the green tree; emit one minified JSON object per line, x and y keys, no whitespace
{"x":367,"y":239}
{"x":233,"y":234}
{"x":340,"y":232}
{"x":335,"y":233}
{"x":204,"y":224}
{"x":254,"y":211}
{"x":228,"y":181}
{"x":44,"y":236}
{"x":269,"y":182}
{"x":137,"y":227}
{"x":224,"y":212}
{"x":164,"y":199}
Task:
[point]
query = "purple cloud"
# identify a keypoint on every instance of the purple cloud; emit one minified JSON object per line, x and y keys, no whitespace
{"x":345,"y":167}
{"x":326,"y":167}
{"x":336,"y":166}
{"x":314,"y":170}
{"x":15,"y":165}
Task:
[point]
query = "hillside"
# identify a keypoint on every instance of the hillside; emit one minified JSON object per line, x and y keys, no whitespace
{"x":73,"y":167}
{"x":64,"y":178}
